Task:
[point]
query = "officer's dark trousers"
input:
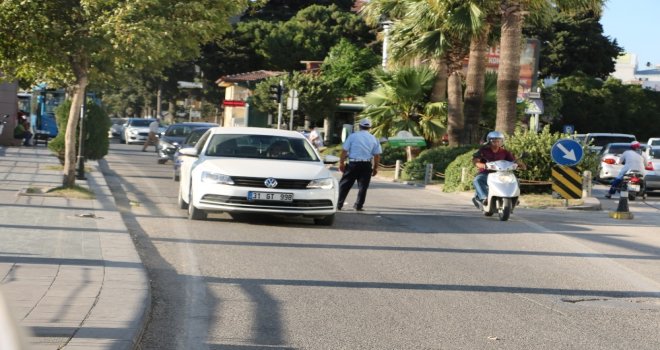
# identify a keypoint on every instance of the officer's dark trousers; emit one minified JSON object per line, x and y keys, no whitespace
{"x":360,"y":171}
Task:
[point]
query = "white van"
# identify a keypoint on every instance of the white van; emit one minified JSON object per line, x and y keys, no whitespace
{"x":596,"y":140}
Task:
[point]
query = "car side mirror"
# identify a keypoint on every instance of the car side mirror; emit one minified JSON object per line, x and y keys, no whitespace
{"x":330,"y":159}
{"x":189,"y":151}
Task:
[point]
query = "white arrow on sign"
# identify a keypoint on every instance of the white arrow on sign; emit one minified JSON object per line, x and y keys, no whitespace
{"x":570,"y":155}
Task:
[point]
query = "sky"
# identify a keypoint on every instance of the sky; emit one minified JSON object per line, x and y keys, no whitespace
{"x":635,"y":24}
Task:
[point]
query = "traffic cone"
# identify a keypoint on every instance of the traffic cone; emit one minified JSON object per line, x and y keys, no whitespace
{"x":622,"y":210}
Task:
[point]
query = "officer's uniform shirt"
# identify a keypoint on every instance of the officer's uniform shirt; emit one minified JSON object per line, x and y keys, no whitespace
{"x":361,"y":146}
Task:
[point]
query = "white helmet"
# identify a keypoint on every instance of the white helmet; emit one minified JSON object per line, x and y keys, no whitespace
{"x":494,"y":135}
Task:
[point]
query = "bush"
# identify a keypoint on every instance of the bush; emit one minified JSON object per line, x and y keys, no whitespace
{"x":96,"y":125}
{"x":537,"y":147}
{"x":392,"y":154}
{"x":440,"y":157}
{"x":453,"y":173}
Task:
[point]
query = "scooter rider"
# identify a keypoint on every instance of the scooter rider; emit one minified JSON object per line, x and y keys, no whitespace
{"x":492,"y":151}
{"x":631,"y":160}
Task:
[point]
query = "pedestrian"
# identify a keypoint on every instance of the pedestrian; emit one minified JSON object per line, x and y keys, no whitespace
{"x":152,"y":138}
{"x":22,"y":130}
{"x":492,"y":151}
{"x":631,"y":160}
{"x":363,"y":152}
{"x":315,"y":137}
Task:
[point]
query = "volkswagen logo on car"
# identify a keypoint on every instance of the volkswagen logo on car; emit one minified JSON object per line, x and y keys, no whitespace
{"x":270,"y":182}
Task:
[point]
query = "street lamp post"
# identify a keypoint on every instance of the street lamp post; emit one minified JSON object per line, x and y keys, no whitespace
{"x":387,"y":25}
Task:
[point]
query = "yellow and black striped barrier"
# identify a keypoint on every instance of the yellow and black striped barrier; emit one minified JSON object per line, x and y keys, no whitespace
{"x":567,"y":182}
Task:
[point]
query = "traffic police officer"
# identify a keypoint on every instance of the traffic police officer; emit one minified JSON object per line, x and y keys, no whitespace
{"x":363,"y":152}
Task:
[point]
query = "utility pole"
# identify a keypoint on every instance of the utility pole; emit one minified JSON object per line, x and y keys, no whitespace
{"x":81,"y":140}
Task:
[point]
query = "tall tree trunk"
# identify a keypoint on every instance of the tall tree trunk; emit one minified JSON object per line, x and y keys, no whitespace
{"x":69,"y":178}
{"x":474,"y":85}
{"x":455,"y":122}
{"x":508,"y":74}
{"x":439,"y":92}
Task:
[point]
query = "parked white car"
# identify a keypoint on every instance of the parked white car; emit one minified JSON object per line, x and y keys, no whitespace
{"x":653,"y":142}
{"x":610,"y":160}
{"x":135,"y":130}
{"x":257,"y":170}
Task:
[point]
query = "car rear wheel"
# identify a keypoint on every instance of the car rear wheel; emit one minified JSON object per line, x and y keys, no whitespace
{"x":325,"y":221}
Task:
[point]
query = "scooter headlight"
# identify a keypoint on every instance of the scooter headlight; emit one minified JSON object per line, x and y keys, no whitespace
{"x":507,"y":178}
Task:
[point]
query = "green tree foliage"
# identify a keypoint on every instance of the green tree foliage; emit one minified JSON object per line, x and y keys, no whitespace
{"x":348,"y":68}
{"x":309,"y":35}
{"x":317,"y":97}
{"x":282,"y":10}
{"x":402,"y":102}
{"x":575,"y":44}
{"x":95,"y":128}
{"x":595,"y":106}
{"x":71,"y":43}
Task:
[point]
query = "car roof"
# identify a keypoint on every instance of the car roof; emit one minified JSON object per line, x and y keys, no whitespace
{"x":193,"y":124}
{"x":592,"y":134}
{"x":257,"y":131}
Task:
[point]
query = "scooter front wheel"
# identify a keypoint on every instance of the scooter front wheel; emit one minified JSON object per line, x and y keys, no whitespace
{"x":504,"y":206}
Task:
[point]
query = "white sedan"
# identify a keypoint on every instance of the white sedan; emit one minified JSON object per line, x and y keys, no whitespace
{"x":257,"y":170}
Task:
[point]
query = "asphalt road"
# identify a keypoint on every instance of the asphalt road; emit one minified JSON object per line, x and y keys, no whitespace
{"x":419,"y":269}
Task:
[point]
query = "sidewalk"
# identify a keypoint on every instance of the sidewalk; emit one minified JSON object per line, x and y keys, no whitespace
{"x":68,"y":267}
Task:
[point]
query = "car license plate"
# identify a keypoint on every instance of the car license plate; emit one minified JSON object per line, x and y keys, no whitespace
{"x":269,"y":196}
{"x":633,"y":188}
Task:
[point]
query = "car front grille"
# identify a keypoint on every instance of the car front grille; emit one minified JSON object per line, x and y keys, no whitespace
{"x":242,"y":201}
{"x":259,"y":183}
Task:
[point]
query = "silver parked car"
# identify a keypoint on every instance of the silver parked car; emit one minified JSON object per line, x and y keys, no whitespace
{"x":652,"y":169}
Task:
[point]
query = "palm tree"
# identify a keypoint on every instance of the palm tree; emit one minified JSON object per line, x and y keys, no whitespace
{"x":513,"y":13}
{"x":439,"y":30}
{"x":402,"y":102}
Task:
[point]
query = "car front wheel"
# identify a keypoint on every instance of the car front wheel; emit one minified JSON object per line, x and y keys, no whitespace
{"x":194,"y":213}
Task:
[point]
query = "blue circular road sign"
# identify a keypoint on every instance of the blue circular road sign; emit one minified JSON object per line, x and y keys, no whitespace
{"x":566,"y":152}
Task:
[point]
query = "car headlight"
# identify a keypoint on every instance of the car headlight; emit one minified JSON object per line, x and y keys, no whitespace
{"x":132,"y":131}
{"x":216,"y":178}
{"x":325,"y":184}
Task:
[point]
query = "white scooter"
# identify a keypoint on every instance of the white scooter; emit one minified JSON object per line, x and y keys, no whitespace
{"x":503,"y":190}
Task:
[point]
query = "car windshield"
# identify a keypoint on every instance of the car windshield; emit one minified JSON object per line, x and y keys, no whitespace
{"x":195,"y":135}
{"x":601,"y":141}
{"x":261,"y":147}
{"x":655,"y":152}
{"x":117,"y":121}
{"x":616,"y":149}
{"x":178,"y":130}
{"x":140,"y":122}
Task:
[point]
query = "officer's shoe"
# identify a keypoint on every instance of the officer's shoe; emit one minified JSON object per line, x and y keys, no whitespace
{"x":476,"y":203}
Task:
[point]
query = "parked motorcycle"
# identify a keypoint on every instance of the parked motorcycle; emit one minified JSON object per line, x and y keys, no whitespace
{"x":3,"y":120}
{"x":633,"y":182}
{"x":503,"y":190}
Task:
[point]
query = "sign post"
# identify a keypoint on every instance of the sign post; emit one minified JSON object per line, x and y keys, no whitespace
{"x":566,"y":181}
{"x":292,"y":104}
